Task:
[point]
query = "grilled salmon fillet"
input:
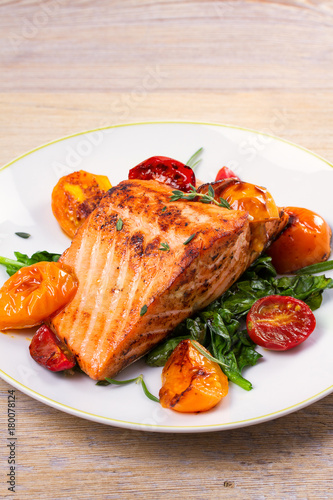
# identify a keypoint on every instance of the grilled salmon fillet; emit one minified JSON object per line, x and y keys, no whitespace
{"x":132,"y":289}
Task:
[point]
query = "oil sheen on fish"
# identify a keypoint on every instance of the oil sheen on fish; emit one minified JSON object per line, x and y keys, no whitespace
{"x":144,"y":264}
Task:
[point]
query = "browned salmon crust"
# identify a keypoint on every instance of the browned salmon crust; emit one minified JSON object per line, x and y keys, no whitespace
{"x":121,"y":272}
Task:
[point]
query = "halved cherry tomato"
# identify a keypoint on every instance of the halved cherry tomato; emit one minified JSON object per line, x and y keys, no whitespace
{"x":305,"y":241}
{"x":75,"y":196}
{"x":35,"y":292}
{"x":254,"y":199}
{"x":279,"y":322}
{"x":49,"y":352}
{"x":190,"y":381}
{"x":226,"y":173}
{"x":166,"y":170}
{"x":245,"y":196}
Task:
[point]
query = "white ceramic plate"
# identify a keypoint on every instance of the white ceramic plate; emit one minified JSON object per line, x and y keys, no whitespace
{"x":283,"y":382}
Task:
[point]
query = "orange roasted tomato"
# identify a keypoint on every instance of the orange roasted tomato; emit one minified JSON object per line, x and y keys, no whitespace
{"x":191,"y":382}
{"x":75,"y":196}
{"x":305,"y":241}
{"x":253,"y":199}
{"x":35,"y":292}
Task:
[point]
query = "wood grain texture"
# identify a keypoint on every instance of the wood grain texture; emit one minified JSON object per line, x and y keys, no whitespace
{"x":267,"y":65}
{"x":207,"y":45}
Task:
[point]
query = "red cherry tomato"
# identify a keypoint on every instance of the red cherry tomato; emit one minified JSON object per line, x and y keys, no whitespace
{"x":280,"y":323}
{"x":225,"y":173}
{"x":166,"y":170}
{"x":49,"y":352}
{"x":305,"y":241}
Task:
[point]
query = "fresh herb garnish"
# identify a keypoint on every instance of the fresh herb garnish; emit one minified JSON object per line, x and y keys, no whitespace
{"x":23,"y":260}
{"x":144,"y":309}
{"x":203,"y":198}
{"x":164,"y":247}
{"x":23,"y":235}
{"x":164,"y":209}
{"x":119,"y":224}
{"x":219,"y":326}
{"x":137,"y":380}
{"x":190,"y":238}
{"x":194,"y":160}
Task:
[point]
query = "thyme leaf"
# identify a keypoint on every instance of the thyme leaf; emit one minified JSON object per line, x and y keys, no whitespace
{"x":190,"y":238}
{"x":120,"y":224}
{"x":144,"y":309}
{"x":23,"y":235}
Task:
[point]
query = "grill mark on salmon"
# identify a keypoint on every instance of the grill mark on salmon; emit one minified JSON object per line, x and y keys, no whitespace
{"x":121,"y":271}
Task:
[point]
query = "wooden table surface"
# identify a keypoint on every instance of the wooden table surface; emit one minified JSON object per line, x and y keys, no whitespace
{"x":70,"y":66}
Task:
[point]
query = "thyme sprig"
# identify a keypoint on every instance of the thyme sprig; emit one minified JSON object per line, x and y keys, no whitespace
{"x":164,"y":247}
{"x":203,"y":198}
{"x":138,"y":380}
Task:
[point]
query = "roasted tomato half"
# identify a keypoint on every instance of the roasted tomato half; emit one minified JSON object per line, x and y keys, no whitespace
{"x":75,"y":196}
{"x":254,"y":199}
{"x":245,"y":196}
{"x":35,"y":292}
{"x":305,"y":241}
{"x":49,"y":352}
{"x":279,"y":322}
{"x":190,"y":381}
{"x":166,"y":170}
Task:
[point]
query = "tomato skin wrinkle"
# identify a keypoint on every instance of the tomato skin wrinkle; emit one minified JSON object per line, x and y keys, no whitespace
{"x":165,"y":170}
{"x":35,"y":292}
{"x":280,"y":322}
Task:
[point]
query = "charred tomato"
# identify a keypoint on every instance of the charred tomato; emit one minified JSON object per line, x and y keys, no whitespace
{"x":166,"y":170}
{"x":48,"y":351}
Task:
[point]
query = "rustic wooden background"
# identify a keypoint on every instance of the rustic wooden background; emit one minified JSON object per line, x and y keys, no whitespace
{"x":68,"y":66}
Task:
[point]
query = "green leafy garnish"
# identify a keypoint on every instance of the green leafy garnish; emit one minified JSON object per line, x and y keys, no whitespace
{"x":219,"y":326}
{"x":144,"y":309}
{"x":23,"y":235}
{"x":164,"y":247}
{"x":23,"y":260}
{"x":190,"y":238}
{"x":119,"y":224}
{"x":193,"y":161}
{"x":137,"y":380}
{"x":203,"y":198}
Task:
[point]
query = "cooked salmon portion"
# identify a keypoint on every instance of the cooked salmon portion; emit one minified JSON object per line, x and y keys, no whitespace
{"x":144,"y":264}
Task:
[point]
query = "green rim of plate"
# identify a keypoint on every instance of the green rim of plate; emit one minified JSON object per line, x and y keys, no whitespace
{"x":222,"y":125}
